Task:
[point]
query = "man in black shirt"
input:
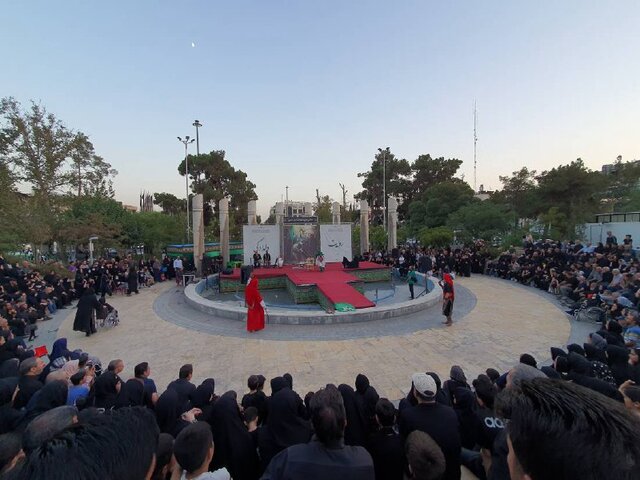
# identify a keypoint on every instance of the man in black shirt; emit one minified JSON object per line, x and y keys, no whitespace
{"x":385,"y":445}
{"x":439,"y":421}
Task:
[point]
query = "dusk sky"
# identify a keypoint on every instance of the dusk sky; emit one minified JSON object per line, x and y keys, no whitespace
{"x":303,"y":93}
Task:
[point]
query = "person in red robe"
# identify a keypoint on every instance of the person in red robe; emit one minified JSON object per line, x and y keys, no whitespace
{"x":255,"y":306}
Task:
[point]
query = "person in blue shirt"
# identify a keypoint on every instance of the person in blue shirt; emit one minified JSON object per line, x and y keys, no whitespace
{"x":142,"y":372}
{"x":78,"y":389}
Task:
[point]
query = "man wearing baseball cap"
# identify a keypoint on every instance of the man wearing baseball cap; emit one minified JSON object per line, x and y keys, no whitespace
{"x":437,"y":420}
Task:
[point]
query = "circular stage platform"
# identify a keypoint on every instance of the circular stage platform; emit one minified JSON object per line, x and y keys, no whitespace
{"x":223,"y":295}
{"x":174,"y":306}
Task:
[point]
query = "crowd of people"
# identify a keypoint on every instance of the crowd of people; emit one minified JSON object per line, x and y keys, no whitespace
{"x":577,"y":418}
{"x":73,"y":418}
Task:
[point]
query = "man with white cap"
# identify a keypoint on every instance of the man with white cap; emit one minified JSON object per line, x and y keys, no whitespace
{"x":437,"y":420}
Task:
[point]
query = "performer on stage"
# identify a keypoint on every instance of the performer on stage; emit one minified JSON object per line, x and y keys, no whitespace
{"x":448,"y":296}
{"x":255,"y":306}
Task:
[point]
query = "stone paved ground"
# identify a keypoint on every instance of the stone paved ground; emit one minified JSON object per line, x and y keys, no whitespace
{"x":507,"y":320}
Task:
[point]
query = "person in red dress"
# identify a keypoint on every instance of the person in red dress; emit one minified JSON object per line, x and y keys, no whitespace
{"x":255,"y":306}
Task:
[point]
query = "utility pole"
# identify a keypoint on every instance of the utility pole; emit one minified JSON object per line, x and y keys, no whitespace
{"x":475,"y":141}
{"x":186,"y":141}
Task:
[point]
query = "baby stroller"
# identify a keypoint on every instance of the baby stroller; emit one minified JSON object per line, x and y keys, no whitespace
{"x":107,"y":316}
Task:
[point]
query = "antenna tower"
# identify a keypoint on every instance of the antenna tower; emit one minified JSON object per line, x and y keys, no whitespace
{"x":475,"y":141}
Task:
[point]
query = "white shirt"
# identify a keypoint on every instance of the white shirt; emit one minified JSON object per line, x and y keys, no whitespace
{"x":177,"y":264}
{"x":220,"y":474}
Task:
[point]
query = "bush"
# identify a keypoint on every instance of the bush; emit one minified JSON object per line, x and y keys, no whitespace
{"x":435,"y":237}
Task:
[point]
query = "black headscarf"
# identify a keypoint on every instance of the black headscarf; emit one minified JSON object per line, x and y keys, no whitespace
{"x":618,"y":358}
{"x":104,"y":390}
{"x":234,"y":447}
{"x":277,"y":384}
{"x":168,"y":413}
{"x":467,"y":421}
{"x":131,"y":394}
{"x":367,"y":397}
{"x":50,"y":396}
{"x":285,"y":423}
{"x":355,"y":432}
{"x":594,"y":354}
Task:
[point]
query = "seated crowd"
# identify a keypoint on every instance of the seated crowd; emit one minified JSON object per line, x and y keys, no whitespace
{"x":578,"y":418}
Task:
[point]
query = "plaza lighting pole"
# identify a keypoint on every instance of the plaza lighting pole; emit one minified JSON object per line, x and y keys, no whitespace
{"x":186,"y":141}
{"x":197,"y":124}
{"x":384,"y":187}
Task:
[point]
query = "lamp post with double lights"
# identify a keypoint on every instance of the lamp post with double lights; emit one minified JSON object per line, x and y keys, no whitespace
{"x":186,"y":141}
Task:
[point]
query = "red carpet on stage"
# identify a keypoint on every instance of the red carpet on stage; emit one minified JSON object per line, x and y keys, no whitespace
{"x":333,"y":282}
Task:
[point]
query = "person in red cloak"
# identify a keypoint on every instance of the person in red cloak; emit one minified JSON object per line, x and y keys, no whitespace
{"x":448,"y":295}
{"x":255,"y":306}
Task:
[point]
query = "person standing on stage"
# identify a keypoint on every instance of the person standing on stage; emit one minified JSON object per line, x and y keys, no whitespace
{"x":266,"y":259}
{"x":448,"y":296}
{"x":255,"y":305}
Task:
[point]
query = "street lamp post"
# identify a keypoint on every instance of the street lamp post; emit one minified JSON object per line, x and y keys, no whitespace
{"x":186,"y":141}
{"x":91,"y":239}
{"x":384,"y":186}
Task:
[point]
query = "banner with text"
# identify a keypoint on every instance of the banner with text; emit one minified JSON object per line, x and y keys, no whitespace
{"x":261,"y":238}
{"x":335,"y":242}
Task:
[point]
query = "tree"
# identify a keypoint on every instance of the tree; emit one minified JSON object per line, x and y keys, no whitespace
{"x":480,"y":220}
{"x":574,"y":189}
{"x":443,"y":199}
{"x":89,"y":173}
{"x":519,"y":193}
{"x":432,"y":171}
{"x":170,"y":204}
{"x":435,"y":237}
{"x":214,"y":177}
{"x":323,"y":211}
{"x":377,"y":237}
{"x":624,"y":181}
{"x":398,"y":182}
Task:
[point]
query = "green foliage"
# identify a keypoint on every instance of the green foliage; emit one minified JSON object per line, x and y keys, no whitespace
{"x":170,"y":204}
{"x":215,"y":178}
{"x":444,"y":199}
{"x":397,"y":174}
{"x":323,"y":211}
{"x":481,"y":220}
{"x":48,"y":156}
{"x":355,"y":239}
{"x":519,"y":193}
{"x":377,"y":237}
{"x":574,"y":190}
{"x":435,"y":237}
{"x":432,"y":171}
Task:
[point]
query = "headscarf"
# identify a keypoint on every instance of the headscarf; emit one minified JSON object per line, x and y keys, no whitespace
{"x":50,"y":396}
{"x":289,"y":379}
{"x":619,"y":363}
{"x":167,"y":411}
{"x":202,"y":396}
{"x":284,"y":422}
{"x":59,"y":349}
{"x":252,"y":295}
{"x":104,"y":390}
{"x":234,"y":445}
{"x":456,"y":373}
{"x":595,"y":354}
{"x":355,"y":433}
{"x":277,"y":384}
{"x":448,"y":279}
{"x":131,"y":394}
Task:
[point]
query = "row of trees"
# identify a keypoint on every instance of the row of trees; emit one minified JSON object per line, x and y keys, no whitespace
{"x":54,"y":188}
{"x":437,"y":205}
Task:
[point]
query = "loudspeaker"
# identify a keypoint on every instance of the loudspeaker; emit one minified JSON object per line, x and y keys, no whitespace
{"x":245,"y":273}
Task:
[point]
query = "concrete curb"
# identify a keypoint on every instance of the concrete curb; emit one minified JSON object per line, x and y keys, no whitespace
{"x":287,"y":317}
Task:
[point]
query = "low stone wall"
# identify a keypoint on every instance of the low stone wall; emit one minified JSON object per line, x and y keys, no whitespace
{"x":237,"y":311}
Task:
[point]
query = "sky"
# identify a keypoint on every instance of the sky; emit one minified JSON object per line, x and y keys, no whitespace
{"x":302,"y":93}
